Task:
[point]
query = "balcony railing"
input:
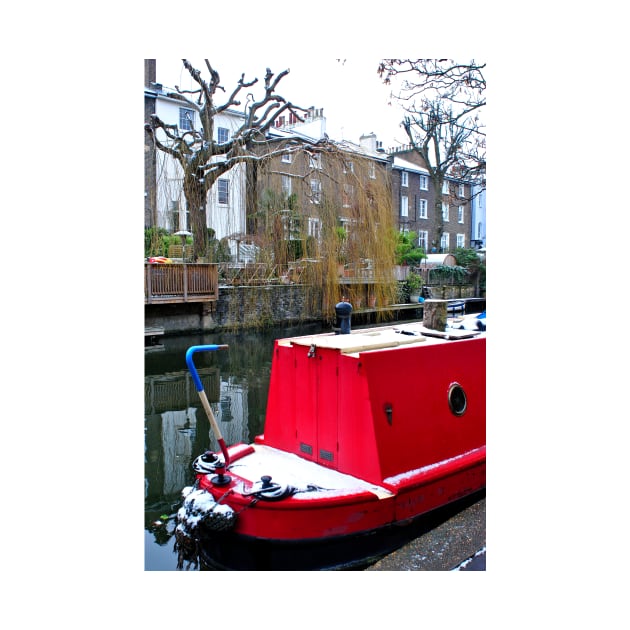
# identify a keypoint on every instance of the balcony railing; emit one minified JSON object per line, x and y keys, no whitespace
{"x":175,"y":283}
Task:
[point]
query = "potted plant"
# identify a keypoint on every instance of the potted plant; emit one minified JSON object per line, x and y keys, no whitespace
{"x":413,"y":284}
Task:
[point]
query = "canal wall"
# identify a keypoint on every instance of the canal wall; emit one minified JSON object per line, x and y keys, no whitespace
{"x":239,"y":307}
{"x":247,"y":307}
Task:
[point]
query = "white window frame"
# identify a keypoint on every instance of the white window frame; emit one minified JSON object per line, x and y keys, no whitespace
{"x":287,"y":158}
{"x":290,"y":226}
{"x":186,"y":118}
{"x":314,"y":227}
{"x":348,"y":195}
{"x":424,"y":182}
{"x":315,"y":161}
{"x":404,"y":206}
{"x":348,"y":167}
{"x":445,"y":211}
{"x":372,"y":170}
{"x":223,"y":193}
{"x":444,"y":241}
{"x":404,"y":178}
{"x":462,"y":190}
{"x":460,"y":214}
{"x":423,"y":205}
{"x":286,"y":185}
{"x":316,"y":191}
{"x":445,"y":187}
{"x":423,"y":239}
{"x":225,"y":132}
{"x":461,"y":240}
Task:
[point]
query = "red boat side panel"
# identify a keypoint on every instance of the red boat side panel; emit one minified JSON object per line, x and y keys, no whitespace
{"x":440,"y":491}
{"x":357,"y":443}
{"x":281,"y":400}
{"x":298,"y":519}
{"x":414,"y":382}
{"x":326,"y":383}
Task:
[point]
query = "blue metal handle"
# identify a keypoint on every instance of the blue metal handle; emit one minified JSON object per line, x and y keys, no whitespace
{"x":191,"y":365}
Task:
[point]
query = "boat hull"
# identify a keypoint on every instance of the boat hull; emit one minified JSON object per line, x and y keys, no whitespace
{"x":357,"y":551}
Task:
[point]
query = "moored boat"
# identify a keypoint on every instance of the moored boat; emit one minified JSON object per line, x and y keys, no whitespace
{"x":368,"y":437}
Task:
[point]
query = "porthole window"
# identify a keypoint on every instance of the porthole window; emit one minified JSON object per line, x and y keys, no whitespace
{"x":457,"y":399}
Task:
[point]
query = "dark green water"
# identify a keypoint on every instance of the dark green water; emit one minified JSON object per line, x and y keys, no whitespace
{"x":176,"y":427}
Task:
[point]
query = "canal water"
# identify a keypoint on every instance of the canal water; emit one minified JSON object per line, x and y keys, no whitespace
{"x":176,"y":428}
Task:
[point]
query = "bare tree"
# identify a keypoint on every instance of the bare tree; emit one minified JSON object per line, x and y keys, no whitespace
{"x":443,"y":100}
{"x":202,"y":159}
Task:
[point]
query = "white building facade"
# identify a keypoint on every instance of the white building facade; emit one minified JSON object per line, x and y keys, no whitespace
{"x":225,"y":208}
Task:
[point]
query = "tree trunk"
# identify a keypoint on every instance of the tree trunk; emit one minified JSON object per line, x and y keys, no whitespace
{"x":252,"y":197}
{"x":195,"y":193}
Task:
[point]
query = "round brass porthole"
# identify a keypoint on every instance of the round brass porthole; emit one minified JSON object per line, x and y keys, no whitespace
{"x":457,"y":399}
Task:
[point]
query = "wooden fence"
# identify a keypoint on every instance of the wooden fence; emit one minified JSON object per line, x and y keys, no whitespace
{"x":176,"y":283}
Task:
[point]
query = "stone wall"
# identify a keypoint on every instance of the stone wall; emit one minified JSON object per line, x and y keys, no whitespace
{"x":239,"y":307}
{"x":452,"y":291}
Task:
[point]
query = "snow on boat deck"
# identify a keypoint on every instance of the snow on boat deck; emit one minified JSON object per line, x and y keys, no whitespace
{"x":287,"y":468}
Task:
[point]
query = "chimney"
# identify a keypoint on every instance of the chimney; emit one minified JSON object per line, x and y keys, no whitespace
{"x":149,"y":72}
{"x":368,"y":141}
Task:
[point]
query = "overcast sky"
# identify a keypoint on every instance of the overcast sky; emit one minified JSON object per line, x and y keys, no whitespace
{"x":350,"y":91}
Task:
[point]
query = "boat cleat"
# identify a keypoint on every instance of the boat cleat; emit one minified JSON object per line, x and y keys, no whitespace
{"x":269,"y":490}
{"x":207,"y":463}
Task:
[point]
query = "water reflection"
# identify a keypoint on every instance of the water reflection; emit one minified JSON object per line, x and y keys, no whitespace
{"x":176,"y":427}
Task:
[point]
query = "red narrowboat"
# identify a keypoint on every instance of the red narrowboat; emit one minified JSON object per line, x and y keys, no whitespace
{"x":368,"y":437}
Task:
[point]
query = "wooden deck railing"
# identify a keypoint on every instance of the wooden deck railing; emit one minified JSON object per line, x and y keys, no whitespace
{"x":175,"y":283}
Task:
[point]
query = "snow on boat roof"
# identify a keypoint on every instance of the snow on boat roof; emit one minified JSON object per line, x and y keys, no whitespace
{"x":288,"y":468}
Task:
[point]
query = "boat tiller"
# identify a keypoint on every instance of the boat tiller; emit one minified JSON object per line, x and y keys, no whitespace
{"x":204,"y":399}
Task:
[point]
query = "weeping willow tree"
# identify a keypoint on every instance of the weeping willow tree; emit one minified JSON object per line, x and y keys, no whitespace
{"x":324,"y":213}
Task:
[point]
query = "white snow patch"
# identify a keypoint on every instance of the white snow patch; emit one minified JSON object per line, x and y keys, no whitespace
{"x":290,"y":469}
{"x":412,"y":473}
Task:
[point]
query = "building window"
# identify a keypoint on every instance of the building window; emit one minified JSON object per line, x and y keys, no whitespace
{"x":404,"y":178}
{"x":422,"y":208}
{"x":423,"y":239}
{"x":461,"y":240}
{"x":290,"y":226}
{"x":315,"y":161}
{"x":444,"y":211}
{"x":348,"y":167}
{"x":445,"y":187}
{"x":444,"y":242}
{"x":223,"y":135}
{"x":348,"y":195}
{"x":372,"y":169}
{"x":286,"y":185}
{"x":316,"y":191}
{"x":424,"y":182}
{"x":314,"y":227}
{"x":404,"y":206}
{"x":186,"y":118}
{"x":223,"y":192}
{"x":460,"y":214}
{"x":461,"y":190}
{"x":286,"y":158}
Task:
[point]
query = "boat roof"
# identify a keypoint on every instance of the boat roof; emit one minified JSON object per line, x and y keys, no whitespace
{"x":377,"y":338}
